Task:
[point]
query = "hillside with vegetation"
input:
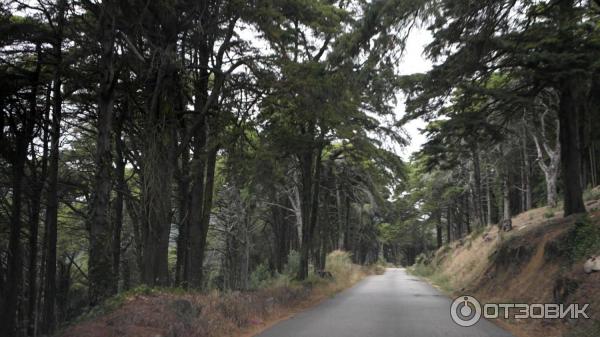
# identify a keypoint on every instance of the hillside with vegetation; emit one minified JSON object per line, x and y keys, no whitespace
{"x":540,"y":261}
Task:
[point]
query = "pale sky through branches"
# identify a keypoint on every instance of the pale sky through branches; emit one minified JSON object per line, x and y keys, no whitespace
{"x":414,"y":62}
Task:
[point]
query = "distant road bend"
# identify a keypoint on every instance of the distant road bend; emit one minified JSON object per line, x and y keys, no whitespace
{"x":392,"y":305}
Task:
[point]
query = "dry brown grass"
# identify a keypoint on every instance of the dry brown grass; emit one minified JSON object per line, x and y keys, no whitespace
{"x":474,"y":267}
{"x":168,"y":314}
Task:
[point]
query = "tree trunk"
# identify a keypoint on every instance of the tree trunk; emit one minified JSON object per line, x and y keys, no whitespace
{"x":449,"y":224}
{"x":527,"y":181}
{"x":156,"y":195}
{"x":571,"y":107}
{"x":101,"y":270}
{"x":15,"y":265}
{"x":552,"y":193}
{"x":506,"y":223}
{"x":37,"y":185}
{"x":478,"y":194}
{"x":467,"y":214}
{"x":118,"y":203}
{"x":573,"y":102}
{"x":183,"y":172}
{"x":438,"y":229}
{"x":202,"y":196}
{"x":488,"y":199}
{"x":49,"y":315}
{"x":311,"y":175}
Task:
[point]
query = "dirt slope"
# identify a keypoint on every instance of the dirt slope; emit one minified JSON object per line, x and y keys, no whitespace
{"x":540,"y":261}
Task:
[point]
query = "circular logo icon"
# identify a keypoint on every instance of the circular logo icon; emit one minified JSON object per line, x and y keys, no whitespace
{"x":466,"y":311}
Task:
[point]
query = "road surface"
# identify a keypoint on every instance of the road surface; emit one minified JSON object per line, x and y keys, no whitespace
{"x":392,"y":305}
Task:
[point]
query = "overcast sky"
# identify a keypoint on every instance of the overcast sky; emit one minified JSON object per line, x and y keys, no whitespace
{"x":414,"y":62}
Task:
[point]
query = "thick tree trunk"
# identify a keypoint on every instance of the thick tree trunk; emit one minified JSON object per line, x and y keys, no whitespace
{"x":15,"y":265}
{"x":203,"y":169}
{"x":157,"y":170}
{"x":101,"y":271}
{"x":34,"y":220}
{"x":37,"y":185}
{"x":35,"y":200}
{"x":49,"y":315}
{"x":157,"y":174}
{"x":311,"y":175}
{"x":572,"y":104}
{"x":183,"y":190}
{"x":202,"y":197}
{"x":119,"y":203}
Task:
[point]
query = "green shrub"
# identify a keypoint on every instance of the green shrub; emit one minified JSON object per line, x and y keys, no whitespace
{"x":313,"y":280}
{"x":587,"y":329}
{"x":339,"y":263}
{"x":583,"y":239}
{"x":591,"y":194}
{"x":422,"y":270}
{"x":442,"y":281}
{"x":549,"y":214}
{"x":293,"y":263}
{"x":422,"y":259}
{"x":477,"y":232}
{"x":260,"y":277}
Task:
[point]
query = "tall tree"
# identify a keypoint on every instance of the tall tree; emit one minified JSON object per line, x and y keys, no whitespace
{"x":102,"y":278}
{"x":52,"y":198}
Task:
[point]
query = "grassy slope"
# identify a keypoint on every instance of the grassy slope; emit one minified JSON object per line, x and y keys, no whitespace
{"x":175,"y":313}
{"x":540,"y":261}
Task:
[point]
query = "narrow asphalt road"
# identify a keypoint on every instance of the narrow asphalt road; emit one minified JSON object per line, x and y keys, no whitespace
{"x":392,"y":305}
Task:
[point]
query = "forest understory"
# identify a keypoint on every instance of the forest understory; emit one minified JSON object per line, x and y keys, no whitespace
{"x":144,"y":312}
